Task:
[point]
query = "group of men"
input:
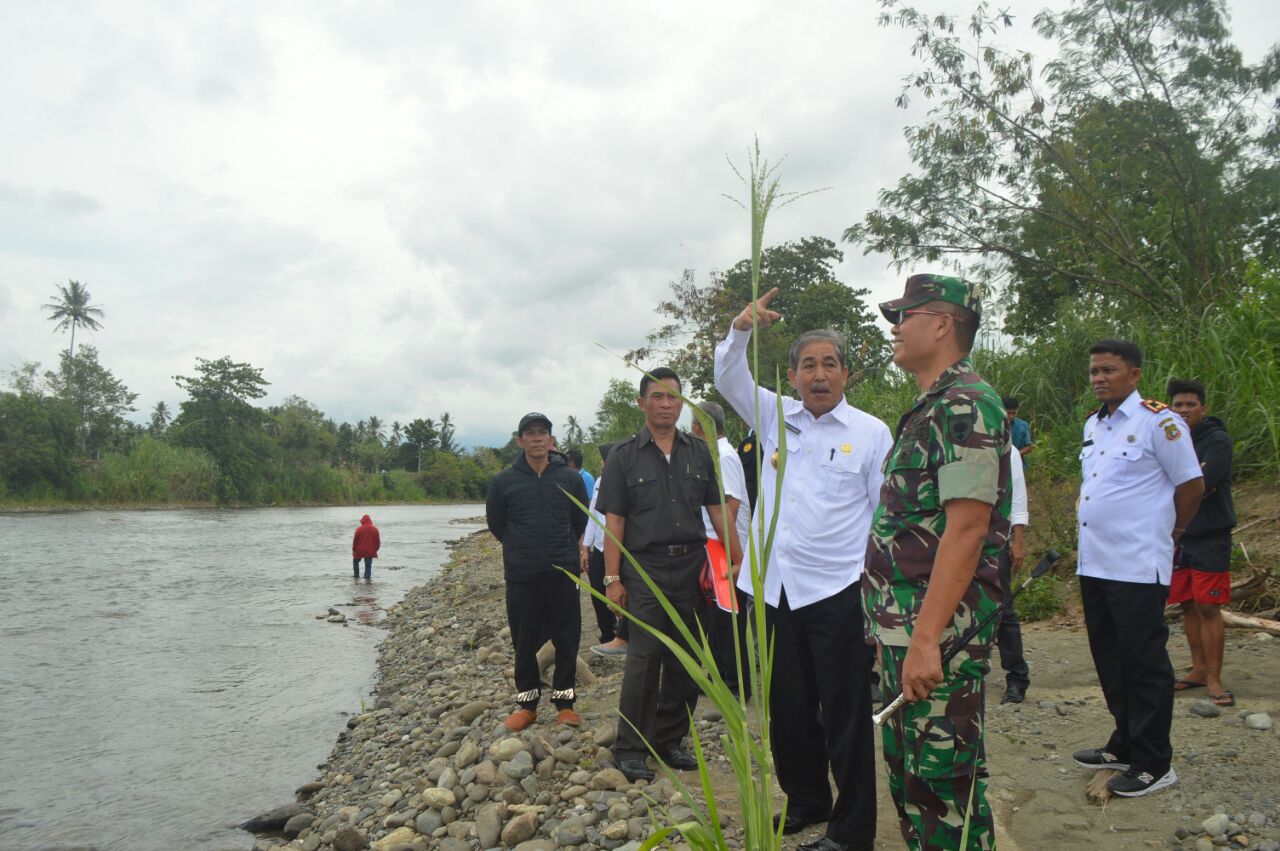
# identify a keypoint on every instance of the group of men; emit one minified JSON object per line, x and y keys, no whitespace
{"x":886,"y":543}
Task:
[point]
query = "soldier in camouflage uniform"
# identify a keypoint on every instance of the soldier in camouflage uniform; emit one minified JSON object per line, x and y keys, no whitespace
{"x":932,"y":566}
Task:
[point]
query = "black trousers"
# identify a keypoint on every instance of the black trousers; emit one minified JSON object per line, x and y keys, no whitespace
{"x":723,"y":635}
{"x":820,"y":700}
{"x":611,"y":626}
{"x":546,"y":607}
{"x":1128,"y":637}
{"x":658,"y":695}
{"x":1009,"y":632}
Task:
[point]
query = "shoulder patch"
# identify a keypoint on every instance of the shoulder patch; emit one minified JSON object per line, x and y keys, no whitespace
{"x":1171,"y":431}
{"x":1154,"y":406}
{"x":959,"y":428}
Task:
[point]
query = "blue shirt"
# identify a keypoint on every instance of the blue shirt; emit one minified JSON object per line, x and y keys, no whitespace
{"x":588,"y":480}
{"x":1020,"y":434}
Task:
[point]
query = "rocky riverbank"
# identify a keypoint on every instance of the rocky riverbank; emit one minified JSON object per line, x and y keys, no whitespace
{"x":429,"y":765}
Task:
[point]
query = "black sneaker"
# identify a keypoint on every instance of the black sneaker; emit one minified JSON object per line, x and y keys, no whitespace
{"x":1135,"y":784}
{"x":1014,"y":694}
{"x":1096,"y":758}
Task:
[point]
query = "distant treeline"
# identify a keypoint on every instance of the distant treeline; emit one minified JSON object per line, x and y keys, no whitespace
{"x":64,"y":439}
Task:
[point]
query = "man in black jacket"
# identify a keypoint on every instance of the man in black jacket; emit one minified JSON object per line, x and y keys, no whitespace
{"x":1202,"y":579}
{"x":528,"y":509}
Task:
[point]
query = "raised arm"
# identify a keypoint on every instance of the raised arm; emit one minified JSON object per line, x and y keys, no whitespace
{"x":733,"y":375}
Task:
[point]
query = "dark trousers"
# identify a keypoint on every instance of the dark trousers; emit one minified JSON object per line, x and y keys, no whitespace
{"x":368,"y":567}
{"x":1009,"y":632}
{"x":723,"y":637}
{"x":1128,"y":637}
{"x":538,"y":609}
{"x":658,"y":695}
{"x":611,"y":626}
{"x":820,"y":699}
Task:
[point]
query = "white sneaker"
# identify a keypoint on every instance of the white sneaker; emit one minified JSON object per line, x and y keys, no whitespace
{"x":1135,"y":784}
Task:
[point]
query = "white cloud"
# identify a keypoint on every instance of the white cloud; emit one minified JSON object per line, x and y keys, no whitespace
{"x":403,"y":209}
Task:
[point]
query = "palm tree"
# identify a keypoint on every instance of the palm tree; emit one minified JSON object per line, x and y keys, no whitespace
{"x":573,"y":433}
{"x":397,"y":431}
{"x":74,"y":310}
{"x":374,"y":427}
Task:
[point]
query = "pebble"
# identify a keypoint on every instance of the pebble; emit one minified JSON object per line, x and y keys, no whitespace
{"x":1258,"y":721}
{"x":1216,"y":824}
{"x":1205,"y":709}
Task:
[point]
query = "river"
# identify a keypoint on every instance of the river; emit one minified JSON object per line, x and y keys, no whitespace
{"x":162,"y":673}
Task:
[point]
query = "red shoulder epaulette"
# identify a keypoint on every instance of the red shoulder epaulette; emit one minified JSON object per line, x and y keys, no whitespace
{"x":1154,"y":406}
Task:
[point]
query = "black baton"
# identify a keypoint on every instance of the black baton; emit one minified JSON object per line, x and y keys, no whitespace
{"x":878,"y":718}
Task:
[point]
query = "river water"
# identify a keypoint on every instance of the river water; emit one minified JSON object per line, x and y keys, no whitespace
{"x":162,"y":674}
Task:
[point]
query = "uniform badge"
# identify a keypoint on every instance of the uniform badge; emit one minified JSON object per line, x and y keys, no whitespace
{"x":1171,"y":432}
{"x":959,"y":429}
{"x":845,"y":449}
{"x":747,"y":447}
{"x":774,"y":460}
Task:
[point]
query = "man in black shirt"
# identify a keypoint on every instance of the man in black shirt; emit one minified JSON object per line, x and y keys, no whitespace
{"x":1202,"y":576}
{"x":528,"y":510}
{"x":652,"y":499}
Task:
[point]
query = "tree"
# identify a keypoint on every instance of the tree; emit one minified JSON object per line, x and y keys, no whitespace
{"x":809,"y":297}
{"x":420,"y":436}
{"x":27,"y":379}
{"x":161,"y":416}
{"x":617,"y":415}
{"x":37,"y":443}
{"x":1141,"y":176}
{"x":574,"y":435}
{"x":72,"y":310}
{"x":446,"y":435}
{"x":373,"y":430}
{"x":219,"y":417}
{"x":99,"y":398}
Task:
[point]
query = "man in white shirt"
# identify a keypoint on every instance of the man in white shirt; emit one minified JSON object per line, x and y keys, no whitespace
{"x":1141,"y":486}
{"x":722,"y":633}
{"x":1017,"y":674}
{"x":820,"y":696}
{"x":613,"y":629}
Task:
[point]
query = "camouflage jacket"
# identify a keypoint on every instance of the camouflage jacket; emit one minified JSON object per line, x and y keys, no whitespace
{"x":953,"y":444}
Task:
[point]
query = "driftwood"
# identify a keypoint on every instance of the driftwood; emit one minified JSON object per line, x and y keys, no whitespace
{"x":1239,"y":621}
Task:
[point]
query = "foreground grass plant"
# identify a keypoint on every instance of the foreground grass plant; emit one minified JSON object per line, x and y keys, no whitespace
{"x":745,"y":742}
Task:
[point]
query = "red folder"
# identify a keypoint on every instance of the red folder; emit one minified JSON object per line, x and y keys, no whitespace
{"x":717,"y":583}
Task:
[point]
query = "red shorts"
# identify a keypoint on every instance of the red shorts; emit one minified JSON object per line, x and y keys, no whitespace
{"x":1190,"y":584}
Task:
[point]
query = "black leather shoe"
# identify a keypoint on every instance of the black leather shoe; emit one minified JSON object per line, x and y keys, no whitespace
{"x":635,"y":769}
{"x":680,"y":760}
{"x":796,"y":823}
{"x":826,"y":843}
{"x":1014,"y":694}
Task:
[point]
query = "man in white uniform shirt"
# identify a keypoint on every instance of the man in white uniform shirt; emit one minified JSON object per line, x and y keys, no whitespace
{"x":820,"y":695}
{"x":1017,"y":674}
{"x":733,"y":478}
{"x":1141,"y":486}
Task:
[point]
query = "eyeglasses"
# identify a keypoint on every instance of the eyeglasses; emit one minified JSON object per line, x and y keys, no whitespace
{"x":903,"y":314}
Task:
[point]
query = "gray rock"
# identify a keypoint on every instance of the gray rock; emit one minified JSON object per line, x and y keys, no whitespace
{"x":605,"y":735}
{"x":297,"y":824}
{"x":1205,"y":709}
{"x":473,"y":710}
{"x":428,"y":822}
{"x":1269,"y":845}
{"x":308,"y":789}
{"x":1204,"y":844}
{"x":1257,"y":820}
{"x":273,"y":821}
{"x":609,"y":778}
{"x":571,"y":831}
{"x":439,"y":798}
{"x":468,"y":752}
{"x":536,"y":845}
{"x":520,"y":766}
{"x":1258,"y":721}
{"x":504,"y":749}
{"x":1216,"y":824}
{"x":567,"y":755}
{"x":489,"y":824}
{"x":349,"y":839}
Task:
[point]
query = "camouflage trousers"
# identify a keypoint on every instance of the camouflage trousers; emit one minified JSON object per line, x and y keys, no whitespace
{"x":934,"y":752}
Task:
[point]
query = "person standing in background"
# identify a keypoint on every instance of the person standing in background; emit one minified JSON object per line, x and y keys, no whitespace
{"x":364,"y":547}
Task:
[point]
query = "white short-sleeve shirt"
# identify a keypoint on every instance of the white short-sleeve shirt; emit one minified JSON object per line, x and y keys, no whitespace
{"x":1131,"y":461}
{"x":735,"y":485}
{"x":830,"y":488}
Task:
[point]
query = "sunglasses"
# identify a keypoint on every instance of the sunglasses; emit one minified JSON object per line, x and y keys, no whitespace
{"x":911,"y":311}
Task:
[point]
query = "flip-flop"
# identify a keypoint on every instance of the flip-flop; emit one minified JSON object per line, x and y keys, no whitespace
{"x":1185,"y":685}
{"x":1224,"y":699}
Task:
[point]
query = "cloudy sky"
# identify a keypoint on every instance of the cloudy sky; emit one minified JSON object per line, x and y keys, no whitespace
{"x":402,"y":209}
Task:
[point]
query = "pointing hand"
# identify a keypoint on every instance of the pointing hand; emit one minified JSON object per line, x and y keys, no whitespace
{"x":764,"y":316}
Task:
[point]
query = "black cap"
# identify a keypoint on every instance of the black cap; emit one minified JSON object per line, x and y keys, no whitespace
{"x":531,"y":418}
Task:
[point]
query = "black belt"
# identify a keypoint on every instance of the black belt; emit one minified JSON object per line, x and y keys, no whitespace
{"x":673,"y":549}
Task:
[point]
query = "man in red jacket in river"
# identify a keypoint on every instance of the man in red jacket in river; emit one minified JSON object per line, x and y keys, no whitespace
{"x":365,"y":546}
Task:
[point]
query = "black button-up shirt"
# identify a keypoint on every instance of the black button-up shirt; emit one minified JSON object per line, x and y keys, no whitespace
{"x":661,"y":501}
